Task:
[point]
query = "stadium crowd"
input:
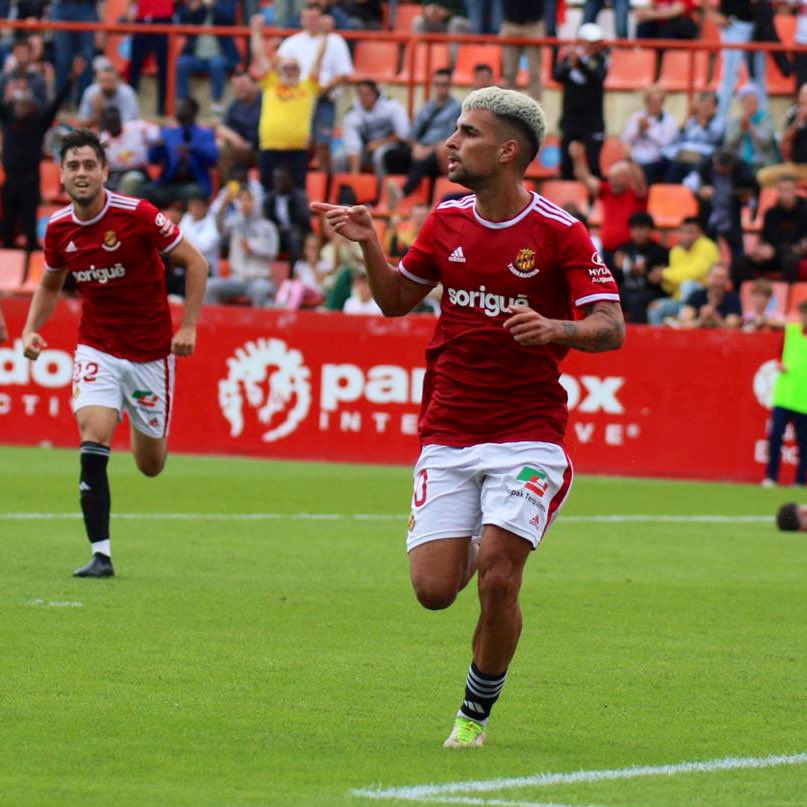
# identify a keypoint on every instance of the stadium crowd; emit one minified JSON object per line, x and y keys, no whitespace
{"x":280,"y":130}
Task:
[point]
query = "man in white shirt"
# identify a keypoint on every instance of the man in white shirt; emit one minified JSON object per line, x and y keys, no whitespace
{"x":199,"y":226}
{"x":648,"y":132}
{"x":127,"y":150}
{"x":361,"y":298}
{"x":108,"y":90}
{"x":337,"y":66}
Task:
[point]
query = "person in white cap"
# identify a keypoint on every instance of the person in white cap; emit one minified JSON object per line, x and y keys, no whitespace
{"x":581,"y":71}
{"x":751,"y":135}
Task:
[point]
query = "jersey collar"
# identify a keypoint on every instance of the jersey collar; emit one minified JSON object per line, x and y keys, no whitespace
{"x":94,"y":219}
{"x":501,"y":225}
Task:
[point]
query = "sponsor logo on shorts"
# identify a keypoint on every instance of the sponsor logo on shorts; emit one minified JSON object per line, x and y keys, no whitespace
{"x":411,"y":522}
{"x":492,"y":304}
{"x":535,"y":521}
{"x":145,"y":398}
{"x":534,"y":480}
{"x":110,"y":242}
{"x":524,"y":264}
{"x":100,"y":273}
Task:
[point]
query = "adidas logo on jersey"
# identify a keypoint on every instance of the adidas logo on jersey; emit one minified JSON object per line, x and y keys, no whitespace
{"x":71,"y":247}
{"x":456,"y":256}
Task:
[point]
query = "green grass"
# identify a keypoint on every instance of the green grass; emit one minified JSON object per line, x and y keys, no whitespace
{"x":285,"y":662}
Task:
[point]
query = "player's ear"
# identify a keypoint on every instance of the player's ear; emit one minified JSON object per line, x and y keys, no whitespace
{"x":508,"y":151}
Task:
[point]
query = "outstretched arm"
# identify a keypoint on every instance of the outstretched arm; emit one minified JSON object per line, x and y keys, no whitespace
{"x":603,"y":328}
{"x":43,"y":304}
{"x":395,"y":294}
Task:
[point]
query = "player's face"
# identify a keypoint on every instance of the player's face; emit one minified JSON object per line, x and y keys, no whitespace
{"x":83,"y":175}
{"x":473,"y":150}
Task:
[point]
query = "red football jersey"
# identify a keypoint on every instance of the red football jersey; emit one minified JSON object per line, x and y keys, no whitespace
{"x":481,"y":386}
{"x":115,"y":259}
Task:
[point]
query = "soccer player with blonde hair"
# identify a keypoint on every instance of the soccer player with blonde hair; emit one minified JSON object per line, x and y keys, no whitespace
{"x":522,"y":283}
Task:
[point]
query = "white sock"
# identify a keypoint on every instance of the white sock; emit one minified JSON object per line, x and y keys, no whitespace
{"x":102,"y":547}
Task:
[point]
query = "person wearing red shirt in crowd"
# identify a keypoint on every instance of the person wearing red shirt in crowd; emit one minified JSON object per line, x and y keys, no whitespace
{"x":623,"y":193}
{"x":111,"y":244}
{"x":666,"y":19}
{"x":151,"y":12}
{"x":522,"y":284}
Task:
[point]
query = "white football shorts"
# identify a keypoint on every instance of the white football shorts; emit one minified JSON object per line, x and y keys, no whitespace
{"x":519,"y":487}
{"x":144,"y":389}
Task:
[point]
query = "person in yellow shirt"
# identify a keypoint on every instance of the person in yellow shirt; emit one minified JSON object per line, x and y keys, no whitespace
{"x":690,"y":261}
{"x":287,"y":107}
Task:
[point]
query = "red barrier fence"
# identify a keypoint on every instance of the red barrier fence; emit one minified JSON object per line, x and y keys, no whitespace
{"x":688,"y":404}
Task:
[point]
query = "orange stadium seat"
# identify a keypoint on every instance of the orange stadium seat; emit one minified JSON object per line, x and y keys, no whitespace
{"x":376,"y":60}
{"x":36,"y":268}
{"x":439,"y":59}
{"x":405,"y":16}
{"x":316,"y":186}
{"x":674,"y":75}
{"x":669,"y":204}
{"x":365,"y":186}
{"x":781,"y":290}
{"x":469,"y":56}
{"x":418,"y":196}
{"x":630,"y":69}
{"x":443,"y":187}
{"x":798,"y":294}
{"x":12,"y":270}
{"x":612,"y":151}
{"x":564,"y":191}
{"x":785,"y":27}
{"x":767,"y":199}
{"x":51,"y":184}
{"x":775,"y":82}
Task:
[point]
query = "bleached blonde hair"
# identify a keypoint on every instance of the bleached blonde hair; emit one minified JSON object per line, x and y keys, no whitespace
{"x":512,"y":106}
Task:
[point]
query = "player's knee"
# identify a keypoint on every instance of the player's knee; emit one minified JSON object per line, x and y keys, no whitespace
{"x":150,"y":466}
{"x":498,"y":585}
{"x":434,"y":595}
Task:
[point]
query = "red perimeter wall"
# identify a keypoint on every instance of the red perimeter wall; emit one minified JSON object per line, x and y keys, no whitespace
{"x":333,"y":387}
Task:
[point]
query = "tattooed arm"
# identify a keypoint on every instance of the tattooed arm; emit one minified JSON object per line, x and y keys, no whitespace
{"x":603,"y":328}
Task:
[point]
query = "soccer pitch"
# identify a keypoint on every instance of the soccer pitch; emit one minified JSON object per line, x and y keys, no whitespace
{"x":279,"y":658}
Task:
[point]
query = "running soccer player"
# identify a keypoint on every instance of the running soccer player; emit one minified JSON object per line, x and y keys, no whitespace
{"x":125,"y":355}
{"x":515,"y":270}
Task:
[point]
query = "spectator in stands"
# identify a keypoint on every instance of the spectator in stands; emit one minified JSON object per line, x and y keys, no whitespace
{"x":700,"y":135}
{"x":361,"y":297}
{"x":199,"y":226}
{"x":365,"y":15}
{"x":287,"y":208}
{"x":690,"y":261}
{"x":522,"y":18}
{"x":735,"y":19}
{"x":582,"y":72}
{"x":667,"y":19}
{"x":304,"y":288}
{"x":187,"y":153}
{"x":237,"y":134}
{"x":108,"y":90}
{"x":376,"y":131}
{"x":24,"y":124}
{"x":783,"y":240}
{"x":635,"y":262}
{"x":623,"y":193}
{"x":723,"y":186}
{"x":215,"y":56}
{"x":434,"y":123}
{"x":716,"y":306}
{"x":751,"y":135}
{"x":286,"y":109}
{"x":443,"y":17}
{"x":224,"y":206}
{"x":150,"y":12}
{"x":486,"y":16}
{"x":592,"y":8}
{"x":41,"y":64}
{"x":794,"y":145}
{"x":19,"y":77}
{"x":253,"y":247}
{"x":790,"y":400}
{"x":336,"y":68}
{"x":69,"y":44}
{"x":403,"y":230}
{"x":760,"y":314}
{"x":127,"y":150}
{"x":483,"y":76}
{"x":648,"y":132}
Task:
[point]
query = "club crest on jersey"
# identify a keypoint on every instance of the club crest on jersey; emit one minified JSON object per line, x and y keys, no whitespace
{"x":110,"y":243}
{"x":524,"y":264}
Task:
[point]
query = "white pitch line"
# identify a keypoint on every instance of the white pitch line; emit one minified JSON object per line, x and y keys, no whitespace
{"x":500,"y":802}
{"x":595,"y":519}
{"x":430,"y":793}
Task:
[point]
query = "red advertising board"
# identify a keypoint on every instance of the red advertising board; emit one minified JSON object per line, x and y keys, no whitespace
{"x":302,"y":385}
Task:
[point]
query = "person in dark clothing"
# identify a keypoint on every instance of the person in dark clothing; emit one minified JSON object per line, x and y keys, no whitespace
{"x":783,"y":241}
{"x":723,"y":185}
{"x":634,"y":261}
{"x":237,"y":134}
{"x":287,"y":207}
{"x":22,"y":77}
{"x":582,"y":72}
{"x":24,"y":125}
{"x":151,"y":12}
